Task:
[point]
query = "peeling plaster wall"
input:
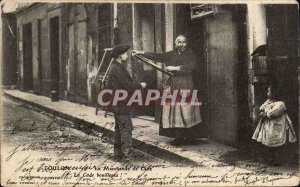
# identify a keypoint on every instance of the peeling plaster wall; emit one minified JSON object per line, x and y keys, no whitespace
{"x":92,"y":48}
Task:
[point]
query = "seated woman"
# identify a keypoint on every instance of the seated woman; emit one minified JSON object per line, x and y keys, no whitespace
{"x":275,"y":127}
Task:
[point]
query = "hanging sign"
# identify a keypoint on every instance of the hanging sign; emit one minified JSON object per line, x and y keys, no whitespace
{"x":202,"y":10}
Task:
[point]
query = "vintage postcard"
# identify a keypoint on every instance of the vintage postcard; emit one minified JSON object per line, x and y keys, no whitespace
{"x":149,"y":93}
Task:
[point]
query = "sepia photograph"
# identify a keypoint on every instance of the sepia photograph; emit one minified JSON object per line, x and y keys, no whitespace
{"x":149,"y":93}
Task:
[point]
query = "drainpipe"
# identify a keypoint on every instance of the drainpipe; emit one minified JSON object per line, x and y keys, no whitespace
{"x":169,"y":26}
{"x":257,"y":16}
{"x":257,"y":35}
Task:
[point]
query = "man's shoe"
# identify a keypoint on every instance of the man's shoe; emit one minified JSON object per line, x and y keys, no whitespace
{"x":179,"y":141}
{"x":276,"y":163}
{"x":126,"y":158}
{"x":118,"y":157}
{"x":190,"y":140}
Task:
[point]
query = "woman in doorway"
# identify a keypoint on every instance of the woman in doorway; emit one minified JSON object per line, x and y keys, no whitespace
{"x":178,"y":121}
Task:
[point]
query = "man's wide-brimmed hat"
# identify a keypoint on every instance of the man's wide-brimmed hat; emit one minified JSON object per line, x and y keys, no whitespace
{"x":119,"y":49}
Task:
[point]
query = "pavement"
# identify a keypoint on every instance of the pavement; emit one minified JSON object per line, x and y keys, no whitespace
{"x":41,"y":143}
{"x":146,"y":138}
{"x":39,"y":129}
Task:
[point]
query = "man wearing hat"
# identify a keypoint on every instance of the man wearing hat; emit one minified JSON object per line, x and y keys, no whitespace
{"x":120,"y":79}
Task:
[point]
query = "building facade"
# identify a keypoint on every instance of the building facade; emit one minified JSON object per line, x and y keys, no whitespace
{"x":9,"y":50}
{"x":60,"y":47}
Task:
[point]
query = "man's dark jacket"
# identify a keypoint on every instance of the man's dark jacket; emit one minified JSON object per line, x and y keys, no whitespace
{"x":119,"y":78}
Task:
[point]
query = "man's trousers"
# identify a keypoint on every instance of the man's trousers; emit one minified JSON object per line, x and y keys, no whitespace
{"x":123,"y":135}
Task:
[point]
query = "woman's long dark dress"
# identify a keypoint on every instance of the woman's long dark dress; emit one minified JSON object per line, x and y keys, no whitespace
{"x":177,"y":121}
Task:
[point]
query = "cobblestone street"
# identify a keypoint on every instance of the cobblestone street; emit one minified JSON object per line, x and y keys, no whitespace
{"x":33,"y":142}
{"x":22,"y":125}
{"x":39,"y":149}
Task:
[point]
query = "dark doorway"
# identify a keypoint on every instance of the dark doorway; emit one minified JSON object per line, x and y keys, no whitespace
{"x":145,"y":32}
{"x":194,"y":30}
{"x":27,"y":57}
{"x":54,"y":53}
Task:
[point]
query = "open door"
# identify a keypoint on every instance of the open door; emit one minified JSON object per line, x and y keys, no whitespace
{"x":77,"y":59}
{"x":222,"y":58}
